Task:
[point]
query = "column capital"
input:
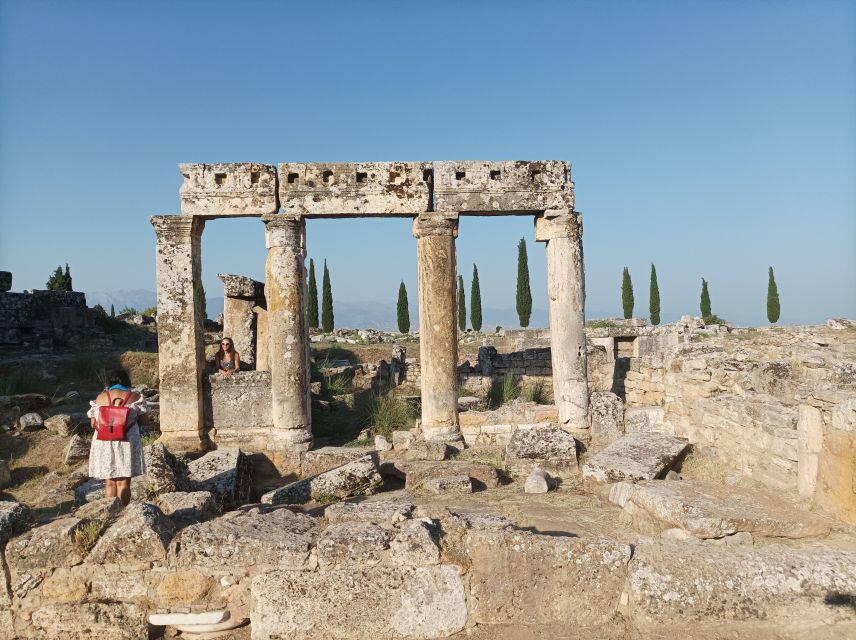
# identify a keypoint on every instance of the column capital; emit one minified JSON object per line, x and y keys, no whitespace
{"x":558,"y":223}
{"x":177,"y":229}
{"x":283,"y":230}
{"x":436,"y":224}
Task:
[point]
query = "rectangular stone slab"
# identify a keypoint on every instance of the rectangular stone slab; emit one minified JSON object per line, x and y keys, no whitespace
{"x":223,"y":190}
{"x":507,"y":186}
{"x":635,"y":456}
{"x":209,"y":617}
{"x":318,"y":189}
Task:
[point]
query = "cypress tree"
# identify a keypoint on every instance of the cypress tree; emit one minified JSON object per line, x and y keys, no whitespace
{"x":524,"y":295}
{"x":773,"y":308}
{"x":627,"y":294}
{"x":704,"y":307}
{"x":654,"y":298}
{"x":112,"y":311}
{"x":66,"y":279}
{"x":326,"y":302}
{"x":462,"y":305}
{"x":403,"y":310}
{"x":475,"y":301}
{"x":312,"y":303}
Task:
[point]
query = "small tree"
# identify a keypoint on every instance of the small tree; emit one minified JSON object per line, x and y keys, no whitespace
{"x":654,"y":298}
{"x":201,"y":301}
{"x":67,"y":278}
{"x":57,"y":281}
{"x":403,"y":309}
{"x":112,"y":311}
{"x":462,"y":305}
{"x":773,"y":307}
{"x":524,"y":295}
{"x":627,"y":294}
{"x":704,"y":306}
{"x":326,"y":302}
{"x":312,"y":303}
{"x":475,"y":301}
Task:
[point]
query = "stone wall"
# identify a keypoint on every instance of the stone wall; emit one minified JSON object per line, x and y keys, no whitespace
{"x":239,"y":408}
{"x":43,"y":319}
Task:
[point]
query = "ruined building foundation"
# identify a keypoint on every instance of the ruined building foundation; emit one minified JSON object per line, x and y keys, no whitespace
{"x":434,"y":195}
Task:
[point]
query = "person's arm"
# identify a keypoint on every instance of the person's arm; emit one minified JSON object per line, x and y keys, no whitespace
{"x":237,"y":360}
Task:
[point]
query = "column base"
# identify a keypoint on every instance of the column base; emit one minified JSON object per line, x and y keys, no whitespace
{"x":450,"y":434}
{"x":185,"y":442}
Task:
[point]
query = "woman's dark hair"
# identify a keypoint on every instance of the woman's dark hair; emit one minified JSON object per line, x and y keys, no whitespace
{"x":118,"y":376}
{"x":222,"y":354}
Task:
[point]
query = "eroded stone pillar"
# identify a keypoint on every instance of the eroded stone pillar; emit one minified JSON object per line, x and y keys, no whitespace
{"x":181,"y":351}
{"x":562,"y":231}
{"x":438,"y":331}
{"x":262,"y":362}
{"x":287,"y":337}
{"x":240,"y":296}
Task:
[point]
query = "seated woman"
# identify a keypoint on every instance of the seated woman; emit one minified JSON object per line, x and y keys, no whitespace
{"x":117,"y":461}
{"x":227,"y":360}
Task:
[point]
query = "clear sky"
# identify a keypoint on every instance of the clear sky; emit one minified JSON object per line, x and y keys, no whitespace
{"x":711,"y":138}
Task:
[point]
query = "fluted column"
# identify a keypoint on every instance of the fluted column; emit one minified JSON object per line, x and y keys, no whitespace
{"x":438,"y":330}
{"x":562,"y":230}
{"x":181,"y":351}
{"x":288,"y":338}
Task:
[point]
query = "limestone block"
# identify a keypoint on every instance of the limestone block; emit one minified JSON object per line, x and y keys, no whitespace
{"x":414,"y":545}
{"x":552,"y":580}
{"x":546,"y":447}
{"x":836,"y":479}
{"x":227,"y":473}
{"x":236,"y":189}
{"x":103,"y":509}
{"x":386,"y":513}
{"x":237,"y":286}
{"x":185,"y":508}
{"x":164,"y":473}
{"x":414,"y":473}
{"x":844,"y":416}
{"x":448,"y":484}
{"x":607,"y":417}
{"x":677,"y":584}
{"x":139,"y":536}
{"x":106,"y":621}
{"x":240,"y":403}
{"x":63,"y":587}
{"x":426,"y":450}
{"x":507,"y":186}
{"x":368,"y":188}
{"x":383,"y":602}
{"x":323,"y":459}
{"x":255,"y":537}
{"x":538,"y":481}
{"x":466,"y":403}
{"x":810,"y":443}
{"x":360,"y":475}
{"x":183,"y":588}
{"x":711,"y":510}
{"x":635,"y":456}
{"x":175,"y":619}
{"x":351,"y":544}
{"x":42,"y":548}
{"x":14,"y":517}
{"x":401,"y":440}
{"x":382,"y":444}
{"x":643,"y":419}
{"x":30,"y":422}
{"x":66,"y":424}
{"x":77,"y":450}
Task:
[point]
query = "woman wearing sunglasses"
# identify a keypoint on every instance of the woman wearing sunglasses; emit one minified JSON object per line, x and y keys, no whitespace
{"x":227,"y":359}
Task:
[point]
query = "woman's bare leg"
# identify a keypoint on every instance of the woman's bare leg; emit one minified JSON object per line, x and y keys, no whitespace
{"x":123,"y":486}
{"x":110,"y":488}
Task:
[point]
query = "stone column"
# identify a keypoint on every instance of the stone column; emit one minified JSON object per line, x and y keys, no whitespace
{"x":438,"y":331}
{"x":288,"y":338}
{"x":261,"y":339}
{"x":562,"y":230}
{"x":240,"y":295}
{"x":181,"y":351}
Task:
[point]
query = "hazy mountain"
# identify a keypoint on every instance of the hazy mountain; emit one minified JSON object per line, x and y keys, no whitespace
{"x":138,"y":299}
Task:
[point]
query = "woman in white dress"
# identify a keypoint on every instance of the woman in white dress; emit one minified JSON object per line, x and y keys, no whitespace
{"x":117,"y":461}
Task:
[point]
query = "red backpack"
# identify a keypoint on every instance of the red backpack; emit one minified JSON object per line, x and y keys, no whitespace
{"x":112,"y":420}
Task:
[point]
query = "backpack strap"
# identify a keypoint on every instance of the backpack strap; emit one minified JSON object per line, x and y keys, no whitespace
{"x":109,"y":399}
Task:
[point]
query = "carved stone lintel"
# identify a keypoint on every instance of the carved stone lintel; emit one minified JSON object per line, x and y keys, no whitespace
{"x":558,"y":223}
{"x":436,"y":224}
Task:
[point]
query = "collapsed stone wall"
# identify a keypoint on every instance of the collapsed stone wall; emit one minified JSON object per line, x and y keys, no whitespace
{"x":43,"y":320}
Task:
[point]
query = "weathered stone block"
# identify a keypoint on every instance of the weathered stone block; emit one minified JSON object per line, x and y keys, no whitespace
{"x":30,"y":422}
{"x":226,"y":473}
{"x":325,"y":458}
{"x":66,"y":424}
{"x":401,"y":440}
{"x":106,"y":621}
{"x":414,"y":473}
{"x":351,"y":544}
{"x":414,"y":545}
{"x":13,"y":519}
{"x":360,"y":475}
{"x":185,"y":508}
{"x":46,"y":547}
{"x":448,"y":484}
{"x":183,"y":588}
{"x":643,"y":419}
{"x":427,"y":450}
{"x":140,"y":536}
{"x":237,"y":189}
{"x":635,"y":456}
{"x":543,"y":446}
{"x":508,"y":186}
{"x":77,"y":450}
{"x":538,"y":481}
{"x":607,"y":417}
{"x":383,"y":602}
{"x":386,"y":513}
{"x":368,"y":188}
{"x":255,"y":537}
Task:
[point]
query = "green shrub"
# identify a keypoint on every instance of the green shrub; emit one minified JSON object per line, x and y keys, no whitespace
{"x":385,"y":413}
{"x":503,"y":389}
{"x":536,"y":391}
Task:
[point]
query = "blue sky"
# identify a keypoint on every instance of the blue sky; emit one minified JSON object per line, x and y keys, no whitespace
{"x":711,"y":138}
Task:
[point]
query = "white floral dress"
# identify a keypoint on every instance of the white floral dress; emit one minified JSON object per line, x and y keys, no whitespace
{"x":118,"y":458}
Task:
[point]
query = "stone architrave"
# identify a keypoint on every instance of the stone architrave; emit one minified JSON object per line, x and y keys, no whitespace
{"x":240,"y":296}
{"x":438,"y":332}
{"x":262,"y":358}
{"x":181,"y":355}
{"x":562,"y":230}
{"x":288,"y":338}
{"x":229,"y":189}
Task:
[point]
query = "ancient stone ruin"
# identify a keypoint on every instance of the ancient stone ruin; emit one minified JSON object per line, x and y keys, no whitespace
{"x":268,"y":322}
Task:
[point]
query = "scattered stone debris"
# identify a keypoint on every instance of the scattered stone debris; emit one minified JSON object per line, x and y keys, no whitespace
{"x":635,"y":456}
{"x":30,"y":422}
{"x":226,"y":473}
{"x":325,"y":458}
{"x":77,"y":450}
{"x":382,"y":444}
{"x":66,"y":424}
{"x":538,"y":481}
{"x":185,"y":508}
{"x":448,"y":484}
{"x":360,"y":476}
{"x":414,"y":473}
{"x":14,"y":516}
{"x":381,"y":512}
{"x":401,"y":440}
{"x":543,"y":446}
{"x":427,"y":450}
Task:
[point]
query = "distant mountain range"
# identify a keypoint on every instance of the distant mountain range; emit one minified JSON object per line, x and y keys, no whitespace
{"x":138,"y":299}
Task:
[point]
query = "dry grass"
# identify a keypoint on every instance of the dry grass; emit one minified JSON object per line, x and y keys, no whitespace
{"x":697,"y":466}
{"x":87,"y":533}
